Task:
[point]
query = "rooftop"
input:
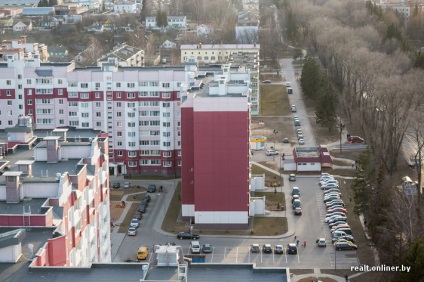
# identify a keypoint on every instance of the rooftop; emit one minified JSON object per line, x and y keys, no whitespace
{"x":307,"y":152}
{"x":220,"y":46}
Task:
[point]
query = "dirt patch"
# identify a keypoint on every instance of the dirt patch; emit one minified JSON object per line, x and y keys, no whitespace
{"x":301,"y":271}
{"x":115,"y":213}
{"x":274,"y":100}
{"x":274,"y":201}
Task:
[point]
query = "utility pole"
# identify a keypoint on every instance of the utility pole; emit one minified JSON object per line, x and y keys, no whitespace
{"x":341,"y":126}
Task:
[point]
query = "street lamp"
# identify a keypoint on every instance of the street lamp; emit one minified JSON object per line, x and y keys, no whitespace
{"x":341,"y":126}
{"x":275,"y":132}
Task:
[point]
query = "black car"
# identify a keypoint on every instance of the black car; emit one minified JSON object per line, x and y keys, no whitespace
{"x":116,"y":185}
{"x":147,"y":198}
{"x":267,"y":248}
{"x":138,"y":215}
{"x":187,"y":235}
{"x":151,"y":188}
{"x":142,"y":208}
{"x":341,"y":246}
{"x":292,"y":248}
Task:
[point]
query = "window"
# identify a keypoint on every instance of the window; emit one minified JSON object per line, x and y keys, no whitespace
{"x":166,"y":124}
{"x":28,"y":81}
{"x":98,"y":124}
{"x":119,"y":133}
{"x":29,"y":102}
{"x":119,"y":123}
{"x":84,"y":85}
{"x":74,"y":123}
{"x":9,"y":112}
{"x":19,"y":86}
{"x":84,"y":95}
{"x":166,"y":144}
{"x":179,"y":162}
{"x":118,"y":85}
{"x":60,"y":101}
{"x":59,"y":81}
{"x":165,"y":85}
{"x":118,"y":95}
{"x":9,"y":102}
{"x":143,"y":123}
{"x":154,"y":132}
{"x":59,"y":91}
{"x":131,"y":124}
{"x":8,"y":82}
{"x":154,"y":123}
{"x":179,"y":153}
{"x":155,"y":162}
{"x":166,"y":115}
{"x":166,"y":105}
{"x":29,"y":113}
{"x":119,"y":104}
{"x":167,"y":154}
{"x":72,"y":104}
{"x":131,"y":115}
{"x":97,"y":84}
{"x":131,"y":105}
{"x":131,"y":85}
{"x":97,"y":95}
{"x":98,"y":114}
{"x":29,"y":92}
{"x":143,"y":83}
{"x":132,"y":164}
{"x":72,"y":94}
{"x":131,"y":144}
{"x":84,"y":105}
{"x":132,"y":154}
{"x":166,"y":134}
{"x":143,"y":113}
{"x":61,"y":121}
{"x":118,"y":114}
{"x":73,"y":114}
{"x":119,"y":143}
{"x":85,"y":124}
{"x":120,"y":153}
{"x":85,"y":115}
{"x":9,"y":122}
{"x":167,"y":163}
{"x":131,"y":134}
{"x":61,"y":112}
{"x":8,"y":93}
{"x":97,"y":104}
{"x":153,"y":83}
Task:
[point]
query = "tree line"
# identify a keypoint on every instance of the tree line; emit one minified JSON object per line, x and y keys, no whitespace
{"x":378,"y":84}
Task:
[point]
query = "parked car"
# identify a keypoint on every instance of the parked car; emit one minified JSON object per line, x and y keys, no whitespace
{"x":116,"y":185}
{"x":336,"y":209}
{"x":332,"y":190}
{"x":295,"y":197}
{"x":292,"y":248}
{"x":187,"y":235}
{"x":267,"y":248}
{"x":142,"y":253}
{"x":298,"y":211}
{"x":328,"y":181}
{"x":338,"y":201}
{"x":336,"y":223}
{"x":328,"y":215}
{"x":293,"y":108}
{"x":271,"y":153}
{"x":341,"y":246}
{"x":288,"y":84}
{"x":266,"y":81}
{"x":142,"y":208}
{"x":347,"y":238}
{"x":340,"y":218}
{"x":138,"y":215}
{"x":292,"y":177}
{"x":295,"y":191}
{"x":321,"y":242}
{"x":127,"y":185}
{"x":278,"y":250}
{"x":297,"y":204}
{"x":289,"y":90}
{"x":151,"y":188}
{"x":335,"y":206}
{"x":195,"y":247}
{"x":134,"y":222}
{"x":329,"y":186}
{"x":331,"y":217}
{"x":147,"y":198}
{"x":254,"y":248}
{"x":331,"y":198}
{"x":299,"y":136}
{"x":132,"y":231}
{"x":301,"y":142}
{"x":286,"y":140}
{"x":207,"y":248}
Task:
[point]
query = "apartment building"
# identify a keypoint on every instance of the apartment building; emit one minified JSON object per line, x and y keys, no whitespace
{"x":215,"y":117}
{"x":236,"y":54}
{"x":21,"y":49}
{"x":62,"y":183}
{"x":179,"y":22}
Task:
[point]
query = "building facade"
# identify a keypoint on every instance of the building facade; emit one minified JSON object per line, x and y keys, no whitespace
{"x":215,"y":120}
{"x":138,"y":107}
{"x":236,"y":54}
{"x":62,"y":184}
{"x":179,"y":22}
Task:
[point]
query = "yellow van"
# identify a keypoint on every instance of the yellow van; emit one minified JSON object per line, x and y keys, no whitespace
{"x":142,"y":253}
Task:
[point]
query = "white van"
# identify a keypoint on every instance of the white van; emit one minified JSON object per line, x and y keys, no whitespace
{"x":195,"y":247}
{"x":338,"y":234}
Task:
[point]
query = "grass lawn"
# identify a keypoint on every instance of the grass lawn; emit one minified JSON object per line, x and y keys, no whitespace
{"x":262,"y":226}
{"x":269,"y":176}
{"x":274,"y":201}
{"x":117,"y":194}
{"x":123,"y":227}
{"x":274,"y":100}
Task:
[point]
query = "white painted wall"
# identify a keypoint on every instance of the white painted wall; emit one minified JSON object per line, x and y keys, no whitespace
{"x":309,"y":166}
{"x":2,"y":193}
{"x":10,"y":253}
{"x":40,"y":190}
{"x":187,"y":210}
{"x":223,"y":217}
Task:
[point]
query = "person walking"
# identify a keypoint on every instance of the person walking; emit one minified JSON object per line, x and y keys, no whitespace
{"x":297,"y":243}
{"x":304,"y":243}
{"x":295,"y":237}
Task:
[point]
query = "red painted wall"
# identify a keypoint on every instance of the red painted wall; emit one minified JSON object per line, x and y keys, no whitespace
{"x":17,"y":220}
{"x":187,"y":145}
{"x":56,"y":251}
{"x":221,"y":161}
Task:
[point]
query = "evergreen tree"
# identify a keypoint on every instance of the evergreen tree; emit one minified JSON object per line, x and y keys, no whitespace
{"x":326,"y":104}
{"x":310,"y":77}
{"x":414,"y":259}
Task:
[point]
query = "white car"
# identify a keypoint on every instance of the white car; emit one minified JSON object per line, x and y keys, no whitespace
{"x":132,"y":231}
{"x":271,"y":152}
{"x":333,"y":218}
{"x":328,"y":181}
{"x":329,"y":186}
{"x":288,"y":84}
{"x":334,"y":213}
{"x":326,"y":178}
{"x":301,"y":141}
{"x":134,"y":223}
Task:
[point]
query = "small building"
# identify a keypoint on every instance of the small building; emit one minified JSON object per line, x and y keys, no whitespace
{"x":23,"y":26}
{"x":203,"y":30}
{"x":257,"y":142}
{"x":124,"y":55}
{"x":169,"y":45}
{"x":179,"y":22}
{"x":168,"y":255}
{"x":311,"y":158}
{"x":124,"y":7}
{"x":58,"y":52}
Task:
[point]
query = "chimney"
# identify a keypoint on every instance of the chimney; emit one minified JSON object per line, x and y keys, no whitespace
{"x":52,"y":149}
{"x":25,"y":167}
{"x":13,"y":187}
{"x":61,"y":132}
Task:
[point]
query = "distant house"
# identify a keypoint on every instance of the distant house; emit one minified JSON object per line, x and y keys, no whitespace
{"x":6,"y":23}
{"x":308,"y":159}
{"x":179,"y":22}
{"x":23,"y":26}
{"x":124,"y":7}
{"x":95,"y":27}
{"x":169,"y":45}
{"x":203,"y":30}
{"x":124,"y":55}
{"x":58,"y":52}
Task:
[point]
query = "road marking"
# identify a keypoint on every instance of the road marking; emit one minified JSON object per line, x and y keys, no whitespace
{"x":213,"y":250}
{"x":249,"y":255}
{"x":298,"y":258}
{"x":273,"y":258}
{"x":225,"y":251}
{"x":261,"y":256}
{"x":236,"y":254}
{"x":285,"y":253}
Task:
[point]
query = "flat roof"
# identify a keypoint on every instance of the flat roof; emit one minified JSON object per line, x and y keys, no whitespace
{"x":29,"y":204}
{"x":308,"y":152}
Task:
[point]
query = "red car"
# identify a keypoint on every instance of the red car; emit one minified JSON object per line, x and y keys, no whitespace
{"x":337,"y":210}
